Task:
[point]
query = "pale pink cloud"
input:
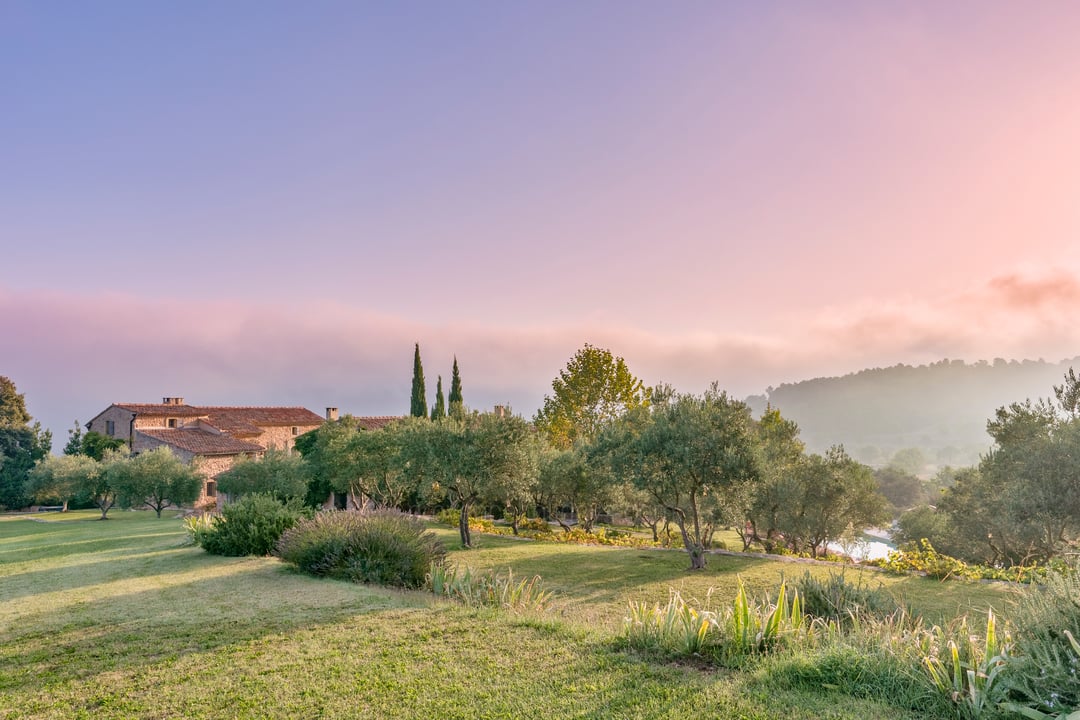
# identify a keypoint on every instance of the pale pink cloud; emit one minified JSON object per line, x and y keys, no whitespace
{"x":73,"y":355}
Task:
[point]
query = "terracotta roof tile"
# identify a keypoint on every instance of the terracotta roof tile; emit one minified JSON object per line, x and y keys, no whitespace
{"x":201,"y":442}
{"x":156,"y":409}
{"x":262,"y":416}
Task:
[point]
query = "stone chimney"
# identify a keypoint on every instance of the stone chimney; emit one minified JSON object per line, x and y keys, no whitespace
{"x":331,"y":414}
{"x":172,"y":401}
{"x":500,"y":411}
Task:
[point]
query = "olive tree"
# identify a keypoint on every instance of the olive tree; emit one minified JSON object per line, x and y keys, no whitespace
{"x":482,"y":458}
{"x":156,"y":478}
{"x":279,"y":473}
{"x":695,"y":455}
{"x":61,"y":477}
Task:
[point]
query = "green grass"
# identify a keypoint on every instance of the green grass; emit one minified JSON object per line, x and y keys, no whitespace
{"x":122,"y":619}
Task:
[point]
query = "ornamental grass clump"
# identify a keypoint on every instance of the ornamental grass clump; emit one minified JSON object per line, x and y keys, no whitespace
{"x":384,"y":547}
{"x":728,"y":636}
{"x":488,"y":589}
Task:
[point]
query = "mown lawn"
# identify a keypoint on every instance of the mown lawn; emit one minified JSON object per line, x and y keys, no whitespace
{"x":121,"y":619}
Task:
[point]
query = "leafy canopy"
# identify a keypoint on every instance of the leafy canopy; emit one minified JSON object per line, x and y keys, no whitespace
{"x":592,"y":391}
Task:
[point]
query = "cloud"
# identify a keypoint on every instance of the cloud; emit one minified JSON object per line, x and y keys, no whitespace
{"x":1017,"y":316}
{"x":73,"y":355}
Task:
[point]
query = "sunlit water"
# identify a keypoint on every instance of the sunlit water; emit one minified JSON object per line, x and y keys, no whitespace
{"x":870,"y":547}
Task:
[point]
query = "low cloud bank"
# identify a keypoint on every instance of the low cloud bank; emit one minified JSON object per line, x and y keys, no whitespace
{"x":73,"y":355}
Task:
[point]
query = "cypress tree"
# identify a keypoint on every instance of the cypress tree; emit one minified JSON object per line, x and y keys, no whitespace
{"x":419,"y":394}
{"x":439,"y":411}
{"x":457,"y":404}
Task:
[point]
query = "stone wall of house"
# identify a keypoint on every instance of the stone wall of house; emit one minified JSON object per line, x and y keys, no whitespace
{"x":281,"y":438}
{"x":121,"y":422}
{"x":211,"y":466}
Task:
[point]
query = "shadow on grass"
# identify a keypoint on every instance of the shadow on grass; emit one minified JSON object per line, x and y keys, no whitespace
{"x":125,"y":631}
{"x":102,"y":567}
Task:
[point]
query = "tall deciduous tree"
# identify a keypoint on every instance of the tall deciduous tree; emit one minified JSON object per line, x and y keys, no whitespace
{"x":592,"y":391}
{"x":457,"y":402}
{"x":12,"y":405}
{"x":21,"y":446}
{"x":439,"y":410}
{"x":418,"y":407}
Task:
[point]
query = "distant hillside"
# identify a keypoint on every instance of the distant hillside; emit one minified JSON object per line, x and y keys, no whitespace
{"x":941,"y":408}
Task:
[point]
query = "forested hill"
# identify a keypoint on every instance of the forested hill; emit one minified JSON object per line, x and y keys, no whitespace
{"x":941,"y":408}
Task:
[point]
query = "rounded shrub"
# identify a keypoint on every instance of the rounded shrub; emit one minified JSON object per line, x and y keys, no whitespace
{"x":384,"y":547}
{"x":249,"y":526}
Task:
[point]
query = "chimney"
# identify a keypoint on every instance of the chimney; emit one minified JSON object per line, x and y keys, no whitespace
{"x":500,"y":411}
{"x":172,"y":401}
{"x":331,"y":414}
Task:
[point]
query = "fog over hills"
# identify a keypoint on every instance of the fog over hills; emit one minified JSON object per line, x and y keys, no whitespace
{"x":941,"y":408}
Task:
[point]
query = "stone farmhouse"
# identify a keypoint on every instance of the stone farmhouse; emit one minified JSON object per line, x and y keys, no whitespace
{"x":211,"y":437}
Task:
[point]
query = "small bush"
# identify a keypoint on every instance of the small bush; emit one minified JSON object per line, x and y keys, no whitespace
{"x":385,"y":547}
{"x":835,"y":599}
{"x":922,"y":558}
{"x":535,"y":525}
{"x":249,"y":526}
{"x":448,"y":516}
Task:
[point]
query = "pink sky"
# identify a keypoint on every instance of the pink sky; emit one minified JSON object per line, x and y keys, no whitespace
{"x":261,"y":205}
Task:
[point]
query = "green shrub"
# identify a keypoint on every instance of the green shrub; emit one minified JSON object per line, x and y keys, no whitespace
{"x":837,"y":600}
{"x":535,"y":525}
{"x":448,"y":516}
{"x":922,"y":558}
{"x":249,"y":526}
{"x":385,"y":547}
{"x":1043,"y":667}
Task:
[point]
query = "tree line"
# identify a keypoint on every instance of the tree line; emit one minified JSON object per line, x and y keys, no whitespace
{"x":605,"y":444}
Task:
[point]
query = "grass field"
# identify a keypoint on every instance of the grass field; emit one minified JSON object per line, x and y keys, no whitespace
{"x":122,"y":619}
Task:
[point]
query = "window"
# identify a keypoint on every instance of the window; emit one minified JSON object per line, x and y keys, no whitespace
{"x":110,"y":428}
{"x":211,"y":488}
{"x":172,"y":422}
{"x":295,"y":430}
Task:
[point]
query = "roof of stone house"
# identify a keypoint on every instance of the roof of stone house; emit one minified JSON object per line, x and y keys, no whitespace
{"x":155,"y":409}
{"x":201,"y":442}
{"x":260,"y":416}
{"x":378,"y":422}
{"x":234,"y":420}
